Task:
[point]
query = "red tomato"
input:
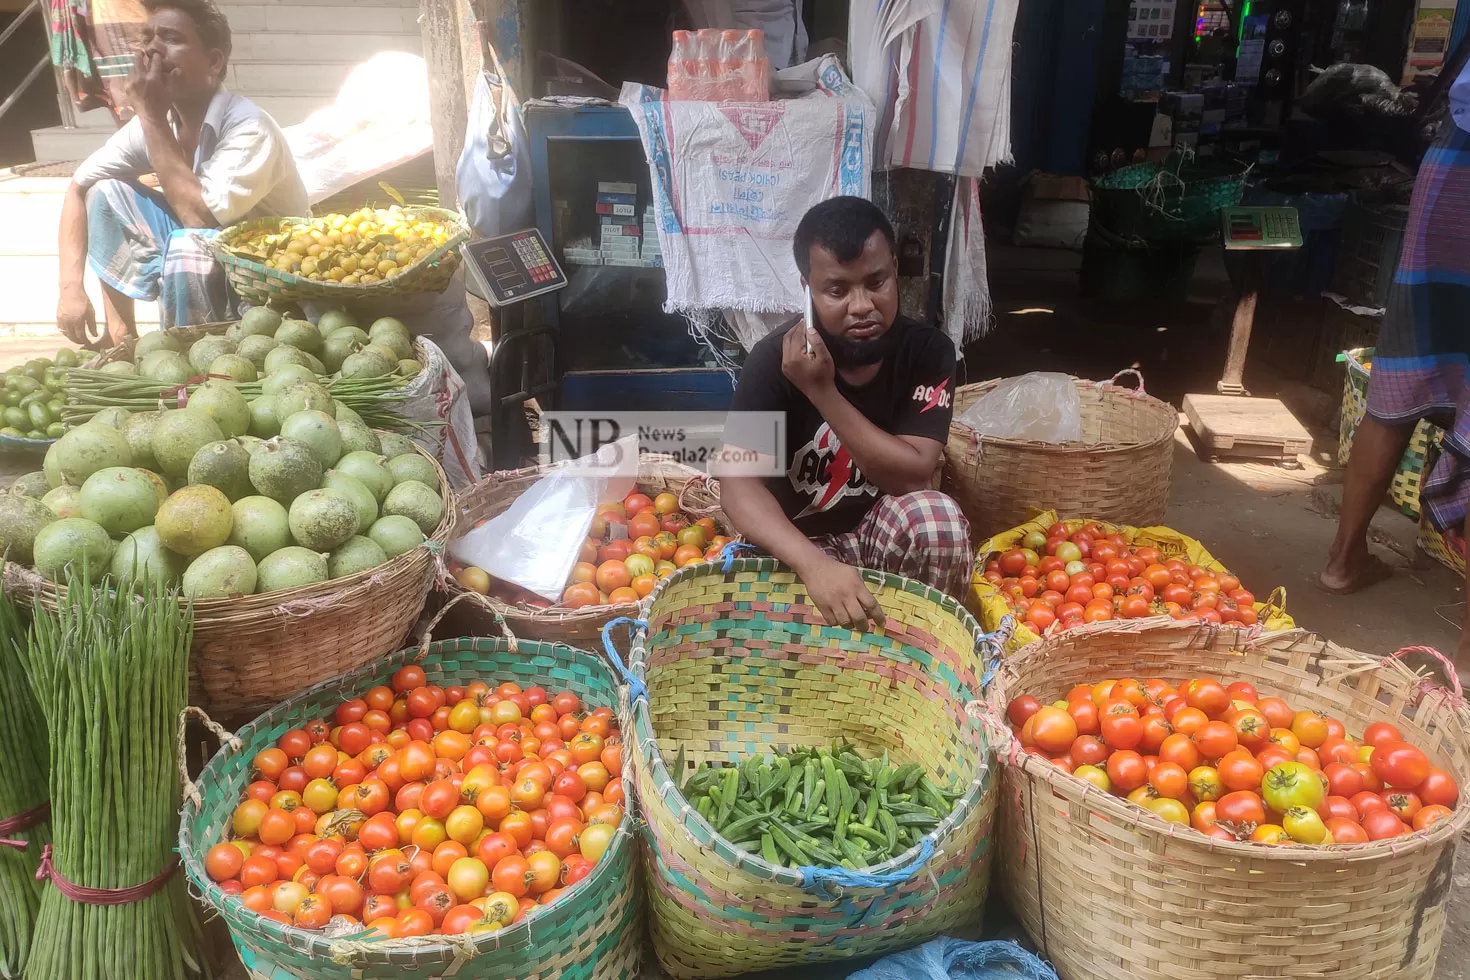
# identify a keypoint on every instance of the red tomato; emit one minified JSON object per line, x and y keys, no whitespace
{"x":1399,"y":764}
{"x":1383,"y":825}
{"x":1338,"y":806}
{"x":1380,"y":732}
{"x":1343,"y":780}
{"x":1438,"y":789}
{"x":1127,"y":770}
{"x":1366,"y":802}
{"x":1346,"y":831}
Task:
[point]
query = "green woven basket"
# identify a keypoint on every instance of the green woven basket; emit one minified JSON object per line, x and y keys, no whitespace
{"x":259,"y":284}
{"x":737,"y":662}
{"x":1171,"y":201}
{"x":1404,"y":490}
{"x":594,"y":932}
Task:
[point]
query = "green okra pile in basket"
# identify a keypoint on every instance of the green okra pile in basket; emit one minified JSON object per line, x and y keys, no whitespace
{"x":823,"y":807}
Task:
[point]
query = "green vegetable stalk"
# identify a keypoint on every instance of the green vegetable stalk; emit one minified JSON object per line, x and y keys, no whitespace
{"x":377,"y":400}
{"x":22,"y":789}
{"x":111,"y":674}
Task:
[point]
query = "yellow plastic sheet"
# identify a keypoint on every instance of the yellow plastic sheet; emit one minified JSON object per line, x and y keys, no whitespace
{"x":986,"y":602}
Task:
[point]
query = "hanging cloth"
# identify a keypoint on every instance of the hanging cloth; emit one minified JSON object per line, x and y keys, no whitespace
{"x":940,"y":73}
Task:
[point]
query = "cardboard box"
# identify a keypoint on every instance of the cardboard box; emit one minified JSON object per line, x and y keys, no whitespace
{"x":618,"y":210}
{"x":616,"y":187}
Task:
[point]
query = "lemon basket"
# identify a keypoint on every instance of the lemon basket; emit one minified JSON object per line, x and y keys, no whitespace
{"x":657,"y":473}
{"x":988,"y":604}
{"x":732,"y":661}
{"x":242,"y":250}
{"x":1119,"y":471}
{"x":1109,"y":891}
{"x":594,"y":932}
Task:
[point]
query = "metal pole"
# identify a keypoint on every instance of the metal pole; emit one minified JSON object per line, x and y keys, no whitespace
{"x":31,"y":76}
{"x":15,"y":24}
{"x":1240,"y":326}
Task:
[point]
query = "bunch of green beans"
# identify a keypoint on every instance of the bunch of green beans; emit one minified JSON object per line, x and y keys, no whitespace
{"x":110,"y":671}
{"x":823,"y":807}
{"x":377,"y":400}
{"x":22,"y":789}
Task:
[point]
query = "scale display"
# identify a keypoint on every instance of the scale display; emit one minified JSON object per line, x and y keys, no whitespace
{"x":513,"y":268}
{"x":1253,"y":228}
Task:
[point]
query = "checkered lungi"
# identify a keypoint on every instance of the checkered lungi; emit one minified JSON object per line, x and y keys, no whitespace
{"x":922,"y":535}
{"x":137,"y":246}
{"x":1421,"y":367}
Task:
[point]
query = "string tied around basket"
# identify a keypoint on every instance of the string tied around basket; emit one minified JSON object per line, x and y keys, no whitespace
{"x":83,"y":895}
{"x":995,"y":643}
{"x":711,"y":485}
{"x":829,"y":882}
{"x":730,"y":551}
{"x":1427,"y":685}
{"x":22,"y":821}
{"x":996,"y":731}
{"x":1138,"y":392}
{"x":636,"y":688}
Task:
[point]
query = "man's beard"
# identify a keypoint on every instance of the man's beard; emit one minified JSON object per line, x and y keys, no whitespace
{"x":858,"y":353}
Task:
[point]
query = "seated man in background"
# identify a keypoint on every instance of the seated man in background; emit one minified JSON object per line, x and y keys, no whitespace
{"x":867,"y":415}
{"x":218,"y":159}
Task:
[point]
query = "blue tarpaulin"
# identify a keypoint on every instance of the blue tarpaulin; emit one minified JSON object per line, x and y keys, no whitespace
{"x":957,"y":959}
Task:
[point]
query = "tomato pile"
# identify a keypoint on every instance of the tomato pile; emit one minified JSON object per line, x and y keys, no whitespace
{"x":1235,"y":765}
{"x":633,"y":543}
{"x":418,"y":810}
{"x":1061,"y":580}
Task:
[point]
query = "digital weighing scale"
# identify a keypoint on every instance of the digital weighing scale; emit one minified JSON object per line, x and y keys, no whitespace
{"x":1227,"y":424}
{"x":507,"y":270}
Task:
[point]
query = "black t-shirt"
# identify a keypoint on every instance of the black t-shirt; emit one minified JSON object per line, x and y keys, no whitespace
{"x":823,"y":492}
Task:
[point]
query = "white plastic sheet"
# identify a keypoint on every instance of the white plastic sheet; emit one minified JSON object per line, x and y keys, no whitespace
{"x":535,"y":541}
{"x":380,"y":119}
{"x":1041,"y":406}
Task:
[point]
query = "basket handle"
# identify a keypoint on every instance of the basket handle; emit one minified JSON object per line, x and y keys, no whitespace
{"x":1427,"y":685}
{"x":1138,"y":392}
{"x":225,"y":736}
{"x":427,"y":636}
{"x":710,"y":484}
{"x":636,"y":688}
{"x":828,"y":882}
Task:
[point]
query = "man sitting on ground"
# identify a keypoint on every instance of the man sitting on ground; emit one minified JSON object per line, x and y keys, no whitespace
{"x":218,"y":158}
{"x":867,"y":415}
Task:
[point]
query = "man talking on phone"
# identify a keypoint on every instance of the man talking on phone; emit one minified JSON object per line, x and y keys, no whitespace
{"x":867,"y":396}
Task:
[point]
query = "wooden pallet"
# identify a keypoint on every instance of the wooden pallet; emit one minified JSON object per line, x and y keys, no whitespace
{"x":1241,"y":427}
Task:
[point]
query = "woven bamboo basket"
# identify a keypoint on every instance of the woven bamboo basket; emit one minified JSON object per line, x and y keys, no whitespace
{"x":737,"y":662}
{"x":986,"y":602}
{"x":657,"y":473}
{"x":1119,"y":472}
{"x":594,"y":932}
{"x":249,"y":652}
{"x":257,"y":283}
{"x":1109,"y":891}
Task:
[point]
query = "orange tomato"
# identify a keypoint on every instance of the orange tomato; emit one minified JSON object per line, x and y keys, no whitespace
{"x":624,"y":594}
{"x":644,"y":584}
{"x":688,"y":555}
{"x":581,"y":594}
{"x":643,"y":526}
{"x":584,"y":571}
{"x":665,"y":503}
{"x":612,"y":575}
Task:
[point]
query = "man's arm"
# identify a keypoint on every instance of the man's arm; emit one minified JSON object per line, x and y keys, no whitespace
{"x":148,"y":88}
{"x":837,"y":589}
{"x":74,"y":314}
{"x":894,"y":464}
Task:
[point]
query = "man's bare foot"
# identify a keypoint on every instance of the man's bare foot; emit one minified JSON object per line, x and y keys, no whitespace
{"x":1344,"y":577}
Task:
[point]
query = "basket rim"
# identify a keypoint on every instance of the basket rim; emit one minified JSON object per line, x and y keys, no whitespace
{"x":1111,"y":808}
{"x":507,"y":480}
{"x":310,"y":942}
{"x":289,"y":284}
{"x":958,"y":430}
{"x":209,"y":612}
{"x":982,"y":782}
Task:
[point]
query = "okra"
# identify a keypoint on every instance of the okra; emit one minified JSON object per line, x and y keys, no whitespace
{"x":768,"y":849}
{"x":814,"y":798}
{"x":868,"y":834}
{"x":738,"y":827}
{"x":890,"y":829}
{"x":872,"y":811}
{"x":924,"y":820}
{"x":789,"y":846}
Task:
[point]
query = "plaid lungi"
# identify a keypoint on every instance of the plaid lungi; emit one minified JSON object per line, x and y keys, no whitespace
{"x":137,"y":246}
{"x":1422,"y":359}
{"x":922,"y":535}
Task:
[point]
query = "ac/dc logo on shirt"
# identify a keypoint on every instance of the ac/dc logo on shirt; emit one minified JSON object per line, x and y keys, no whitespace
{"x":933,"y":396}
{"x":824,"y":469}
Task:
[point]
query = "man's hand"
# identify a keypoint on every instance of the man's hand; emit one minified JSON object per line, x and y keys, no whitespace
{"x":811,"y":373}
{"x":150,"y":87}
{"x":75,"y":318}
{"x":841,"y":594}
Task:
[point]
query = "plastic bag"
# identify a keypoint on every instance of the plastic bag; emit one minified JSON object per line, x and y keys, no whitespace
{"x":494,"y":171}
{"x":379,"y":119}
{"x":1041,"y":406}
{"x":719,"y":66}
{"x":535,"y":542}
{"x":958,"y":959}
{"x":438,"y":394}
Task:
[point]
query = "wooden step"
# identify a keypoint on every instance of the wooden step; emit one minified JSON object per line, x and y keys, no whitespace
{"x":347,"y":19}
{"x":253,"y":78}
{"x":323,"y":46}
